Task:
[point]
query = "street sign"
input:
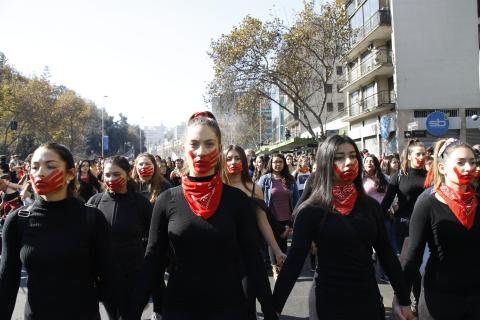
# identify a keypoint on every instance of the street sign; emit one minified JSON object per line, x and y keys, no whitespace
{"x":437,"y":123}
{"x":412,"y":125}
{"x":105,"y":143}
{"x":415,"y":134}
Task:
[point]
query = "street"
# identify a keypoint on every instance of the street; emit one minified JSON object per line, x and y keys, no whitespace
{"x":295,"y":309}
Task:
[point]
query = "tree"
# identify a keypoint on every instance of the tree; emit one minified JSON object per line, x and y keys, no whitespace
{"x":298,"y":60}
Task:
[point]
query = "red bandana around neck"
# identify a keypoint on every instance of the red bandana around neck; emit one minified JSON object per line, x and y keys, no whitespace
{"x":234,"y":168}
{"x":462,"y":204}
{"x":145,"y":172}
{"x":203,"y":197}
{"x":51,"y":183}
{"x":204,"y":163}
{"x":344,"y":198}
{"x":85,"y":179}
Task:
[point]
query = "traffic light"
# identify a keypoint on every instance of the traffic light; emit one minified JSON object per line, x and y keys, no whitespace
{"x":287,"y":134}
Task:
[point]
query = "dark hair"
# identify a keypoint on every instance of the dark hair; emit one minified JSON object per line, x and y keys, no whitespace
{"x":322,"y":184}
{"x":156,"y":183}
{"x":245,"y":177}
{"x":380,"y":181}
{"x":388,"y":165}
{"x":405,"y":163}
{"x":206,"y":118}
{"x":64,"y":153}
{"x":79,"y":169}
{"x":287,"y":178}
{"x":257,"y":174}
{"x":123,"y":164}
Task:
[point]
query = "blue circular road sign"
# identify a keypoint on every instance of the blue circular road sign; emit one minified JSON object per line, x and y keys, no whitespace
{"x":437,"y":123}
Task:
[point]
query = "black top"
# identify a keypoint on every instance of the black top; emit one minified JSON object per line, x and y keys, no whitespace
{"x":454,"y":261}
{"x":407,"y":188}
{"x":62,"y":254}
{"x":207,"y":254}
{"x":129,"y":216}
{"x":86,"y":190}
{"x":345,"y":286}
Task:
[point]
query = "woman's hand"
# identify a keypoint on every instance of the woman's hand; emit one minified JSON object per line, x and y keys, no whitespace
{"x":280,"y":257}
{"x":401,"y":312}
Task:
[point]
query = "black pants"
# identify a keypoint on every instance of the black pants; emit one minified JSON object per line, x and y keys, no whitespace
{"x":445,"y":306}
{"x":112,"y":309}
{"x":250,"y":300}
{"x":203,"y":315}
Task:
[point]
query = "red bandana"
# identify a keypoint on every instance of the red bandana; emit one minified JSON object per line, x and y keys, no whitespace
{"x":203,"y":197}
{"x":462,"y":204}
{"x":145,"y":172}
{"x":85,"y":179}
{"x":204,"y":163}
{"x":464,"y":179}
{"x":344,"y":197}
{"x":234,"y":168}
{"x":349,"y":175}
{"x":116,"y":185}
{"x":51,"y":183}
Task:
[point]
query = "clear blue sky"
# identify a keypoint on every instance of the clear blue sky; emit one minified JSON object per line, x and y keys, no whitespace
{"x":148,"y":56}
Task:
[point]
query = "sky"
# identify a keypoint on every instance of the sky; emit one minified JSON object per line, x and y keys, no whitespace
{"x":149,"y":57}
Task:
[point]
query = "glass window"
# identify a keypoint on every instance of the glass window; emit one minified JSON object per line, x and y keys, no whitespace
{"x":369,"y":98}
{"x":329,"y":107}
{"x":354,"y":103}
{"x":339,"y":70}
{"x":357,"y":20}
{"x":328,"y":88}
{"x":351,"y":7}
{"x":340,"y":107}
{"x":370,"y":7}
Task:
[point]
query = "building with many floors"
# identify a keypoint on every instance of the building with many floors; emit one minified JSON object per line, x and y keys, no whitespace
{"x":407,"y":60}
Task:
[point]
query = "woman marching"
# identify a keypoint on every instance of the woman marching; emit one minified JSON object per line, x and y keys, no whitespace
{"x":238,"y":177}
{"x":128,"y":214}
{"x":210,"y":227}
{"x":148,"y":177}
{"x":281,"y":195}
{"x":88,"y":183}
{"x":345,"y":224}
{"x":448,"y":221}
{"x":64,"y":246}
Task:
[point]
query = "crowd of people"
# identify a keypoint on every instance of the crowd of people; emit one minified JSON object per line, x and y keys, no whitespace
{"x":215,"y":221}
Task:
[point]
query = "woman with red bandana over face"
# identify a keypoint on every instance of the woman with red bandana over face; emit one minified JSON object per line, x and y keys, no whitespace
{"x":88,"y":183}
{"x":128,"y":214}
{"x":237,"y":176}
{"x":448,"y":221}
{"x":63,"y":245}
{"x":344,"y":224}
{"x":211,"y":229}
{"x":148,"y":177}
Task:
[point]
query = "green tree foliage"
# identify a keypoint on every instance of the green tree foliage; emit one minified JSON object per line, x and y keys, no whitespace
{"x":264,"y":58}
{"x":45,"y":113}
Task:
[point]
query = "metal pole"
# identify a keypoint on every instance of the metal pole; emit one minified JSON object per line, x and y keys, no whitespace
{"x":103,"y":129}
{"x":140,"y":151}
{"x":102,"y":132}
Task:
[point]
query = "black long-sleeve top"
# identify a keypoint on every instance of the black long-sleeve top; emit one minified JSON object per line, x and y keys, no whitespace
{"x":407,"y":188}
{"x":87,"y":189}
{"x":129,"y":216}
{"x":454,"y":262}
{"x":345,"y":286}
{"x":207,"y":255}
{"x":62,"y":257}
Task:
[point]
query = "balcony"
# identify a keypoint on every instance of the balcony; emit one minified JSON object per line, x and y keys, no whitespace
{"x":371,"y":105}
{"x":378,"y":27}
{"x":378,"y":64}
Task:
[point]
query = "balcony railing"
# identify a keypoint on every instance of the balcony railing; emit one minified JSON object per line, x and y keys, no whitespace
{"x":372,"y":102}
{"x":376,"y":59}
{"x":379,"y":18}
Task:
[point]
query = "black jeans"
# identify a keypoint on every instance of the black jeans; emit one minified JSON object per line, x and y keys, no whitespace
{"x":282,"y":244}
{"x":445,"y":306}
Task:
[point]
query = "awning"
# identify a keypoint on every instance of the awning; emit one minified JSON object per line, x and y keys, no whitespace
{"x":290,"y":145}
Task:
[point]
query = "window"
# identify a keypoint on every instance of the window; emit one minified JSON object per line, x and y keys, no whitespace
{"x":339,"y":70}
{"x":339,"y":88}
{"x":328,"y":88}
{"x":329,"y":107}
{"x":340,"y":107}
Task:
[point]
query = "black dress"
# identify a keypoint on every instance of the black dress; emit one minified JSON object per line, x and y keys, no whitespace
{"x":345,"y":286}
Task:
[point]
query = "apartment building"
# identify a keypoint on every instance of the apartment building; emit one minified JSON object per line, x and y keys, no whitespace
{"x":412,"y":70}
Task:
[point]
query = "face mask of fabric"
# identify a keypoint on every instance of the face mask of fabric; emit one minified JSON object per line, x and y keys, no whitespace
{"x":349,"y":175}
{"x":145,"y":172}
{"x":51,"y":183}
{"x":204,"y":163}
{"x":116,"y":185}
{"x":235,"y":168}
{"x":465,"y":178}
